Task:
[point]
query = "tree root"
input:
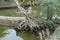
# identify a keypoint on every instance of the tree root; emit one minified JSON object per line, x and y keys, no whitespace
{"x":31,"y":26}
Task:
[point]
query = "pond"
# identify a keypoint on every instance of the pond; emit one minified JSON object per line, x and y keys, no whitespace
{"x":11,"y":34}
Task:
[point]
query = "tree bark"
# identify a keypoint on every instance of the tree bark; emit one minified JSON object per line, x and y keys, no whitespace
{"x":6,"y":20}
{"x":10,"y":21}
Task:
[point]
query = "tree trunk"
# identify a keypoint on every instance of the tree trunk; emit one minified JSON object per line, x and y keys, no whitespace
{"x":10,"y":21}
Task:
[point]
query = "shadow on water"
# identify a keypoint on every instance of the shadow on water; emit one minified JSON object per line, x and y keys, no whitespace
{"x":11,"y":34}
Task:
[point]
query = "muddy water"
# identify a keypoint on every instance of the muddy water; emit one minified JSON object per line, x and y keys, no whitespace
{"x":11,"y":34}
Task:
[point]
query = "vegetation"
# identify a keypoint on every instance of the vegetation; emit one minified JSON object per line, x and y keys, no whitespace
{"x":43,"y":12}
{"x":10,"y":12}
{"x":2,"y":34}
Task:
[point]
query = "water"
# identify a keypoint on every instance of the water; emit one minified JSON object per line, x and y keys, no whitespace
{"x":11,"y":34}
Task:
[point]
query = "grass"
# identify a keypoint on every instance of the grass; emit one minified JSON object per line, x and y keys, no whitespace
{"x":12,"y":12}
{"x":9,"y":12}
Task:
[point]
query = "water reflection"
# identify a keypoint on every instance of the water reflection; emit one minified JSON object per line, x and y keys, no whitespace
{"x":1,"y":32}
{"x":11,"y":35}
{"x":28,"y":35}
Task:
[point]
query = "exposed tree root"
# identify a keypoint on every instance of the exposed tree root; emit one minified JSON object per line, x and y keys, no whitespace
{"x":31,"y":25}
{"x":45,"y":29}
